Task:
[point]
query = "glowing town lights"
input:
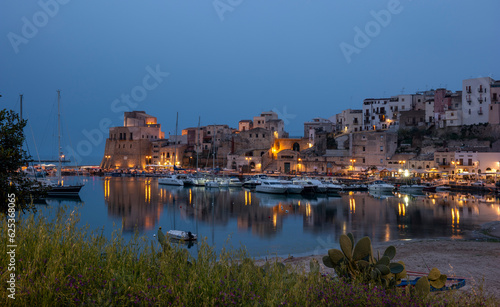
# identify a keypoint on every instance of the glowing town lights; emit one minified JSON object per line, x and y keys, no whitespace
{"x":275,"y":219}
{"x":352,"y":205}
{"x":246,"y":198}
{"x":406,"y":200}
{"x":407,"y":173}
{"x":190,"y":196}
{"x":387,"y":233}
{"x":433,"y":201}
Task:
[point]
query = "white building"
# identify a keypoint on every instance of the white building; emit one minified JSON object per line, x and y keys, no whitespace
{"x":382,"y":113}
{"x":475,"y":100}
{"x":349,"y":121}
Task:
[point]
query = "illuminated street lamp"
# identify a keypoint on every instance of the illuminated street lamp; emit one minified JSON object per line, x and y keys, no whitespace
{"x":455,"y":164}
{"x":352,"y":164}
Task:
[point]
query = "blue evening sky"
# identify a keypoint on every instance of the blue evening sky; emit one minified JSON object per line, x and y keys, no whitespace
{"x":229,"y":60}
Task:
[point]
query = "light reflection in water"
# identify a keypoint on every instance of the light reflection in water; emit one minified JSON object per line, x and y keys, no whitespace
{"x":277,"y":223}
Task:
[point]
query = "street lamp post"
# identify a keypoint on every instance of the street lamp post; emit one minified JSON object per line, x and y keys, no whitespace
{"x":402,"y":163}
{"x":455,"y":164}
{"x":352,"y":164}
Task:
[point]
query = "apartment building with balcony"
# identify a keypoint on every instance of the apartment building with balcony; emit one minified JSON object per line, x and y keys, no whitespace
{"x":494,"y":107}
{"x":476,"y":99}
{"x":349,"y":121}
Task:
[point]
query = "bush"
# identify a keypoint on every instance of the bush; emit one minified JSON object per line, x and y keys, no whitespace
{"x":59,"y":264}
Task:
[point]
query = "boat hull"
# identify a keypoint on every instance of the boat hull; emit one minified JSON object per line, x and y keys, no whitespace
{"x":65,"y":191}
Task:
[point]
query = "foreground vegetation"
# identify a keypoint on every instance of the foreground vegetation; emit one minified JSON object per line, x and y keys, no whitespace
{"x":58,"y":263}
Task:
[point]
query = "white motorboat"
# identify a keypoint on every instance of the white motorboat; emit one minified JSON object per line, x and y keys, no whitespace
{"x":380,"y":186}
{"x":292,"y":188}
{"x":332,"y":187}
{"x":307,"y":186}
{"x":186,"y":179}
{"x":170,"y":180}
{"x":212,"y":184}
{"x":271,"y":186}
{"x":320,"y":186}
{"x":235,"y":183}
{"x":199,"y":181}
{"x":223,"y":183}
{"x":181,"y":235}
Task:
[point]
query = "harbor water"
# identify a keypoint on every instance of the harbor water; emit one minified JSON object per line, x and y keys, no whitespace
{"x":267,"y":224}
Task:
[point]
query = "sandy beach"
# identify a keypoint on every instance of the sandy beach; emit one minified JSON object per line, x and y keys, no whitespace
{"x":475,"y":257}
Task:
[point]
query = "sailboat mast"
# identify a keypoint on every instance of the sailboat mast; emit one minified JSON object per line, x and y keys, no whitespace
{"x":175,"y":147}
{"x":198,"y":141}
{"x":213,"y":150}
{"x":59,"y":135}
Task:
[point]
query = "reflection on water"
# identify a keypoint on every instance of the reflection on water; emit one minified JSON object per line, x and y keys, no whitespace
{"x":267,"y":223}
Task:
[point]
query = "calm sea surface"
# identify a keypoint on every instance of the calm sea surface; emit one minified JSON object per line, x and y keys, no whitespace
{"x":271,"y":224}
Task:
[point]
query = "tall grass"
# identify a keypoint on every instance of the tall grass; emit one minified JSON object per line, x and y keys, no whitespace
{"x":60,"y":264}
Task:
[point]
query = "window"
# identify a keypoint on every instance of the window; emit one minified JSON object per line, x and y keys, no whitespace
{"x":256,"y":135}
{"x":263,"y":135}
{"x":130,"y":145}
{"x":469,"y":111}
{"x":402,"y":99}
{"x":250,"y":135}
{"x":364,"y":148}
{"x":381,"y":148}
{"x":363,"y":160}
{"x":402,"y":107}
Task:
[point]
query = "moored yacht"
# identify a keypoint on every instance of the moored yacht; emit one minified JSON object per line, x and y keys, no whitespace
{"x":170,"y":180}
{"x":380,"y":186}
{"x":235,"y":183}
{"x":271,"y":186}
{"x":292,"y":188}
{"x":307,"y":186}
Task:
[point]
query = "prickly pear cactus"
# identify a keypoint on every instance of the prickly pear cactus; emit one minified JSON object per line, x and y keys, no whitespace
{"x":356,"y":261}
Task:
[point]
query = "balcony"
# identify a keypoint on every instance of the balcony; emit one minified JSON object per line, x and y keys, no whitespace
{"x":367,"y":122}
{"x":468,"y":91}
{"x":480,"y":99}
{"x":480,"y":112}
{"x":480,"y":90}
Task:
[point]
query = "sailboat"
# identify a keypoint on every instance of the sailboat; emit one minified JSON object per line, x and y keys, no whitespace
{"x":58,"y":189}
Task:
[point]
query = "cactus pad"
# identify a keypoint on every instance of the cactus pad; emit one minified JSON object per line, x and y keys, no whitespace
{"x":390,"y":252}
{"x":346,"y":246}
{"x":362,"y":249}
